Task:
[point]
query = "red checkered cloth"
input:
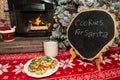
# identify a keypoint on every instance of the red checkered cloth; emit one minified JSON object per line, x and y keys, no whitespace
{"x":11,"y":67}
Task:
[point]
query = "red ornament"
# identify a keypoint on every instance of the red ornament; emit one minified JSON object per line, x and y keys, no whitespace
{"x":3,"y":20}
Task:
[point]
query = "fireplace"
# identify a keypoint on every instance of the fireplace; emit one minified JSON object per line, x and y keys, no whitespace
{"x":32,"y":18}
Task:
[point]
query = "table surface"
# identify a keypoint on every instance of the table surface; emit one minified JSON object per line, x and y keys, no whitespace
{"x":12,"y":65}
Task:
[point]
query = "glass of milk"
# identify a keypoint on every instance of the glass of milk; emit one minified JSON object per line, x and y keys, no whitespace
{"x":50,"y":48}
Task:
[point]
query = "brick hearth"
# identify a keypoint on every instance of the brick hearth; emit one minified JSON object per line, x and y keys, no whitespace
{"x":22,"y":45}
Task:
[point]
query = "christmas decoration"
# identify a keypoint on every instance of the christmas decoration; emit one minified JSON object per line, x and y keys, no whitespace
{"x":6,"y":31}
{"x":66,"y":9}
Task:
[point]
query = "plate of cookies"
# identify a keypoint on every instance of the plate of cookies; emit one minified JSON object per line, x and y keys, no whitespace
{"x":42,"y":66}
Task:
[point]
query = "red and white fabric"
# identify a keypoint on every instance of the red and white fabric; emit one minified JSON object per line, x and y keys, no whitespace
{"x":11,"y":67}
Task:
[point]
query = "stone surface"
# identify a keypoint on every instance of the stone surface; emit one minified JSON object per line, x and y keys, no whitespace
{"x":22,"y":45}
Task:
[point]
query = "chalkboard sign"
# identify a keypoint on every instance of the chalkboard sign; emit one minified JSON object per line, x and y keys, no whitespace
{"x":91,"y":31}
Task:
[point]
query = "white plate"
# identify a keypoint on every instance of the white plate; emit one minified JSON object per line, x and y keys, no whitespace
{"x":32,"y":74}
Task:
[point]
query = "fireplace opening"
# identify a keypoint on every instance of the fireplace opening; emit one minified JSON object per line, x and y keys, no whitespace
{"x":32,"y":18}
{"x":38,"y":23}
{"x":35,"y":23}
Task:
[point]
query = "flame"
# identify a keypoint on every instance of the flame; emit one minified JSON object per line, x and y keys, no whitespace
{"x":38,"y":22}
{"x":49,"y":24}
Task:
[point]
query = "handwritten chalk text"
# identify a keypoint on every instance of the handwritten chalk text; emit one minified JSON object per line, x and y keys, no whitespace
{"x":89,"y":22}
{"x":88,"y":33}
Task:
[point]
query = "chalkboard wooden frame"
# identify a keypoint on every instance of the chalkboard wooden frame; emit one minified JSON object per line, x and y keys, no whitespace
{"x":106,"y":47}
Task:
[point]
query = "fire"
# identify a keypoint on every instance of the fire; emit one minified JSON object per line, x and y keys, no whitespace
{"x":37,"y":21}
{"x":49,"y":24}
{"x":38,"y":24}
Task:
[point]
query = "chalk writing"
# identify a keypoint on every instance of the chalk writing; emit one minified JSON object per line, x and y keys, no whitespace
{"x":88,"y":33}
{"x":89,"y":22}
